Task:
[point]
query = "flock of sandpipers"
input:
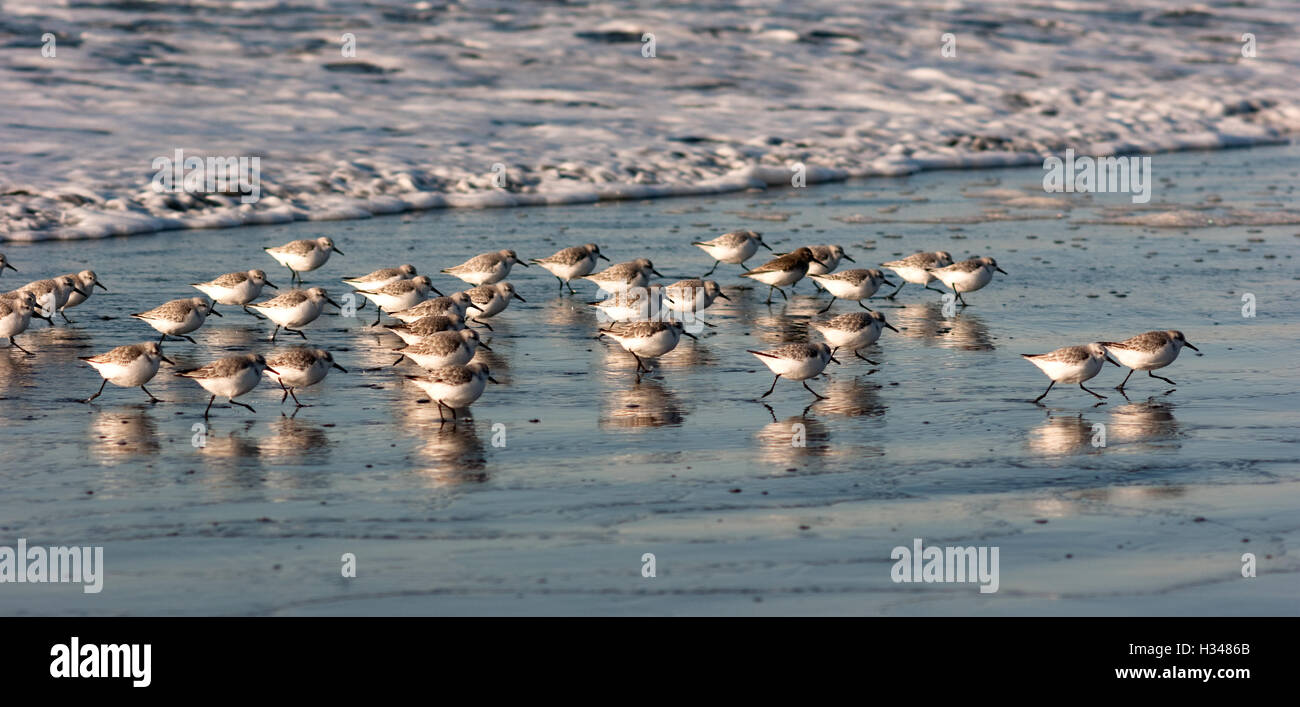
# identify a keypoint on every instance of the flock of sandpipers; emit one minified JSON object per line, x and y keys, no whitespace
{"x":646,"y":320}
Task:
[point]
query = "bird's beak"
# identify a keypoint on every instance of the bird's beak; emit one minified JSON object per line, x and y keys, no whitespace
{"x":1004,"y":272}
{"x":474,"y":306}
{"x":270,"y":284}
{"x":100,"y":285}
{"x":521,"y":263}
{"x":687,"y":333}
{"x":819,"y":262}
{"x":435,"y":291}
{"x":833,"y":359}
{"x":656,"y":272}
{"x":336,"y":304}
{"x":213,"y":311}
{"x":851,"y":260}
{"x":887,"y":282}
{"x":168,"y":360}
{"x":10,"y":266}
{"x":79,"y":291}
{"x":889,"y":326}
{"x":399,"y":359}
{"x":336,"y":250}
{"x":1189,"y":345}
{"x":484,"y":346}
{"x":494,"y":380}
{"x":602,"y":257}
{"x":273,"y":370}
{"x":335,"y":365}
{"x":723,"y":296}
{"x":769,"y":248}
{"x":1108,"y":358}
{"x":521,"y":299}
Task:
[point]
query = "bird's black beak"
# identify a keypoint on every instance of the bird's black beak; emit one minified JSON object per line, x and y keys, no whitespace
{"x":336,"y":250}
{"x":1189,"y":345}
{"x":100,"y":285}
{"x":79,"y":291}
{"x":273,"y":370}
{"x":819,"y":262}
{"x":168,"y":360}
{"x":656,"y":272}
{"x":483,"y":345}
{"x":516,"y":294}
{"x":687,"y":333}
{"x":1004,"y":272}
{"x":435,"y":291}
{"x":474,"y":306}
{"x":213,"y":311}
{"x":887,"y":282}
{"x":494,"y":380}
{"x":889,"y":326}
{"x":851,"y":260}
{"x":602,"y":257}
{"x":769,"y":248}
{"x":521,"y":263}
{"x":833,"y":359}
{"x":335,"y":365}
{"x":10,"y":266}
{"x":1108,"y":358}
{"x":723,"y":296}
{"x":336,"y":304}
{"x":270,"y":284}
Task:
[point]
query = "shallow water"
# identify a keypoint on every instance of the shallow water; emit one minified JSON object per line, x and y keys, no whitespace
{"x":940,"y":441}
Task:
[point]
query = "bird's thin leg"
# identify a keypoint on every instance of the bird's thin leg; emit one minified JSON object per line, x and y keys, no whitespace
{"x":298,"y":332}
{"x":255,"y":314}
{"x":101,"y":389}
{"x":440,"y":416}
{"x":769,"y":293}
{"x":162,"y":338}
{"x":817,"y":395}
{"x":1102,"y":397}
{"x":571,"y":290}
{"x":209,"y":407}
{"x":379,"y":311}
{"x":894,"y":294}
{"x":295,"y":400}
{"x":15,"y":345}
{"x":187,"y":338}
{"x":864,"y":358}
{"x":1149,"y":373}
{"x":484,"y":324}
{"x":961,"y":299}
{"x":640,"y":365}
{"x":769,"y":390}
{"x":787,"y":299}
{"x":828,"y":305}
{"x":65,"y":317}
{"x":716,"y":263}
{"x":927,"y":286}
{"x":273,"y":333}
{"x":863,"y":306}
{"x":152,"y":399}
{"x":1045,"y":392}
{"x":243,"y":405}
{"x":1120,"y":387}
{"x":285,"y":395}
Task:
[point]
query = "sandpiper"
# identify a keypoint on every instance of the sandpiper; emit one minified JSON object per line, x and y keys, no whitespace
{"x":571,"y":264}
{"x":379,"y":278}
{"x":633,"y":304}
{"x":692,"y":296}
{"x":782,"y":271}
{"x":624,"y":276}
{"x":796,"y":362}
{"x":294,"y":309}
{"x":1071,"y":364}
{"x":1147,"y":352}
{"x":491,"y":300}
{"x":236,"y":288}
{"x":447,"y":348}
{"x":229,"y":377}
{"x":826,"y":258}
{"x":178,"y":317}
{"x":128,"y":366}
{"x":399,"y":295}
{"x":303,"y":255}
{"x":454,"y":387}
{"x":967,"y":276}
{"x":422,"y":328}
{"x":915,"y":269}
{"x":733,"y":248}
{"x":457,"y":303}
{"x":486,"y":268}
{"x":15,"y":314}
{"x":299,"y":367}
{"x":646,"y":339}
{"x":853,"y":331}
{"x":53,"y":293}
{"x":86,"y":281}
{"x":855,"y":285}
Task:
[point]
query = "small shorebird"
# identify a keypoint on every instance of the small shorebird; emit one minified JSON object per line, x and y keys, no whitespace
{"x":424,"y":327}
{"x":797,"y":362}
{"x":571,"y":264}
{"x":294,"y":309}
{"x":733,"y":248}
{"x":86,"y":282}
{"x":456,"y":303}
{"x":491,"y":300}
{"x":1147,"y":352}
{"x":53,"y":293}
{"x":236,"y":288}
{"x":635,"y":304}
{"x":855,"y":285}
{"x":783,"y":271}
{"x":853,"y":331}
{"x":624,"y":276}
{"x":454,"y":387}
{"x":4,"y":263}
{"x":400,"y":295}
{"x":178,"y":317}
{"x":299,"y":367}
{"x":646,"y":339}
{"x":692,"y":296}
{"x":128,"y":366}
{"x":915,"y":269}
{"x":380,"y":278}
{"x":486,"y":268}
{"x":303,"y":255}
{"x":826,"y":258}
{"x":15,"y":315}
{"x":447,"y":348}
{"x":967,"y":276}
{"x":229,"y":377}
{"x":1071,"y":364}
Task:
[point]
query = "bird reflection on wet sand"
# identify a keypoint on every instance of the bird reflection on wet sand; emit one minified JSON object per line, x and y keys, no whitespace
{"x":297,"y":438}
{"x":1143,"y":422}
{"x":644,"y":404}
{"x":851,"y":396}
{"x":121,"y":432}
{"x":1134,"y":422}
{"x":793,"y":440}
{"x":964,"y":330}
{"x":1059,"y":436}
{"x":454,"y":453}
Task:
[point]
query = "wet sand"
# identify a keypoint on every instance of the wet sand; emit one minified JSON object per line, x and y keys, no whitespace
{"x":940,"y":441}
